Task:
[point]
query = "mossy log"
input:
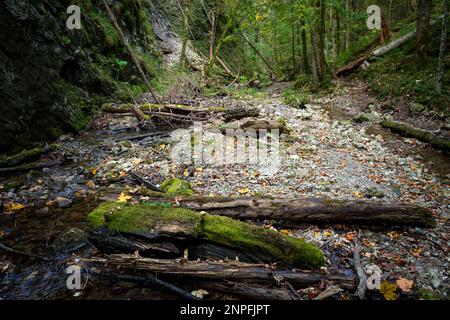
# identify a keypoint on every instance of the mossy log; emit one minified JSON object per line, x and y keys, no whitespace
{"x":178,"y":109}
{"x":21,"y":157}
{"x":156,"y":221}
{"x":31,"y":166}
{"x":318,"y":211}
{"x":222,"y":270}
{"x":421,"y":135}
{"x":241,"y":113}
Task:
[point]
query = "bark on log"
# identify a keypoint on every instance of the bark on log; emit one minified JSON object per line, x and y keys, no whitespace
{"x":177,"y":109}
{"x":246,"y":290}
{"x":238,"y":114}
{"x":421,"y":135}
{"x":220,"y":270}
{"x":21,"y":157}
{"x":308,"y":210}
{"x":31,"y":166}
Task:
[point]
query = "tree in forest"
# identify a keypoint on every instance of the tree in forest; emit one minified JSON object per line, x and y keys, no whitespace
{"x":185,"y":10}
{"x":440,"y":68}
{"x":320,"y":65}
{"x":423,"y":23}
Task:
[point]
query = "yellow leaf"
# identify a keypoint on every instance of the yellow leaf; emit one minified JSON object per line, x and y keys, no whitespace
{"x":123,"y":198}
{"x":243,"y":190}
{"x":94,"y":170}
{"x":416,"y":252}
{"x":328,"y":233}
{"x":404,"y":284}
{"x":90,"y":184}
{"x":11,"y":206}
{"x":284,"y":231}
{"x":186,"y":173}
{"x":122,"y":174}
{"x":358,"y":194}
{"x":162,"y":146}
{"x":136,"y":161}
{"x":2,"y":233}
{"x":388,"y":290}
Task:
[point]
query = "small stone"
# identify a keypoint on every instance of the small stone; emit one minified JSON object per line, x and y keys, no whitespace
{"x":63,"y":202}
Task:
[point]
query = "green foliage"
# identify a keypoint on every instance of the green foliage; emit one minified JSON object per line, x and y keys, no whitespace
{"x":294,"y":98}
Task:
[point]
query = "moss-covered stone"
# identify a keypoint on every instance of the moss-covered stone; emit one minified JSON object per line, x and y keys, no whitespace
{"x":264,"y":244}
{"x":177,"y":186}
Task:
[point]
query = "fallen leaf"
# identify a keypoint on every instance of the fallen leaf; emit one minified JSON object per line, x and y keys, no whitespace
{"x":186,"y":173}
{"x":388,"y":290}
{"x":136,"y":161}
{"x":243,"y":190}
{"x":416,"y":252}
{"x":94,"y":171}
{"x":200,"y":293}
{"x":358,"y":194}
{"x":123,"y":198}
{"x":404,"y":284}
{"x":11,"y":206}
{"x":90,"y":184}
{"x":284,"y":231}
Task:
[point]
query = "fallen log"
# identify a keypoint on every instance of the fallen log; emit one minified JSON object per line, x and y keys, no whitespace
{"x":305,"y":210}
{"x":178,"y":109}
{"x":31,"y":166}
{"x":154,"y":222}
{"x":237,"y":114}
{"x":419,"y":134}
{"x":21,"y":157}
{"x":221,"y":270}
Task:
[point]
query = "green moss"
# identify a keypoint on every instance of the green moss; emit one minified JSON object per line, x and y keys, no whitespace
{"x":177,"y":186}
{"x":233,"y":233}
{"x":125,"y":217}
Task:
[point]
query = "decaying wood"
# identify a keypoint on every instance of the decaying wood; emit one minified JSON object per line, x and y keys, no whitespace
{"x":237,"y":114}
{"x":31,"y":166}
{"x":21,"y":157}
{"x":130,"y":52}
{"x":150,"y":281}
{"x":220,"y":270}
{"x":310,"y":210}
{"x":21,"y":253}
{"x":362,"y":285}
{"x":144,"y":182}
{"x":158,"y":108}
{"x":419,"y":134}
{"x":138,"y":113}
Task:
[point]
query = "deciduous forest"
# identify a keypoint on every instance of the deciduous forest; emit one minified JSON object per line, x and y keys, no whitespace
{"x":224,"y":150}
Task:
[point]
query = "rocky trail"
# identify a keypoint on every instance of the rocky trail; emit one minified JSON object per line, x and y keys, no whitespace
{"x":324,"y":154}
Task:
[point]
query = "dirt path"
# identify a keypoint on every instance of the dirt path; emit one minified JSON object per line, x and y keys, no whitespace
{"x":325,"y":155}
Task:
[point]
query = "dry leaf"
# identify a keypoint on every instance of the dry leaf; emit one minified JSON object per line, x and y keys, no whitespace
{"x":284,"y":231}
{"x":416,"y":252}
{"x":243,"y":190}
{"x":358,"y":194}
{"x":186,"y":173}
{"x":123,"y":198}
{"x":405,"y":285}
{"x":90,"y":184}
{"x":136,"y":161}
{"x":11,"y":206}
{"x":94,"y":171}
{"x":200,"y":293}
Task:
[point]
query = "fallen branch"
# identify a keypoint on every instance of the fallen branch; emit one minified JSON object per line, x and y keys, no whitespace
{"x":144,"y":182}
{"x":130,"y":52}
{"x":237,"y":114}
{"x":220,"y":270}
{"x":421,"y":135}
{"x":31,"y":166}
{"x":23,"y":156}
{"x":362,"y":285}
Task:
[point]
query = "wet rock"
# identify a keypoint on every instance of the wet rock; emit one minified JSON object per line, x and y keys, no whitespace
{"x":63,"y":202}
{"x":70,"y":240}
{"x":373,"y":193}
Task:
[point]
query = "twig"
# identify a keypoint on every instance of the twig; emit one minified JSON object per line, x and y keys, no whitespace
{"x":150,"y":280}
{"x":362,"y":286}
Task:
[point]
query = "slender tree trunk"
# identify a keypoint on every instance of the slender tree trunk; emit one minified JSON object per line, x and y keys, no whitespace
{"x":314,"y":67}
{"x":335,"y":35}
{"x":423,"y":24}
{"x":294,"y":66}
{"x":218,"y":46}
{"x":304,"y":48}
{"x":440,"y":68}
{"x":347,"y":25}
{"x":185,"y":11}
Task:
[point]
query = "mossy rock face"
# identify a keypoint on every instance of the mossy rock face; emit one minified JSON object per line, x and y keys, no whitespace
{"x":178,"y":187}
{"x":160,"y":218}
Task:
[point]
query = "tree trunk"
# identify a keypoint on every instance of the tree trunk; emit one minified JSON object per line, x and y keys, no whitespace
{"x":336,"y":35}
{"x":218,"y":46}
{"x":304,"y":48}
{"x":307,"y":210}
{"x":441,"y":62}
{"x":347,"y":25}
{"x":185,"y":12}
{"x":130,"y":52}
{"x":314,"y":66}
{"x":423,"y":24}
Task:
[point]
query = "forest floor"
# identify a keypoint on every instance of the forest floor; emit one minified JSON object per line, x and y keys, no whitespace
{"x":325,"y":154}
